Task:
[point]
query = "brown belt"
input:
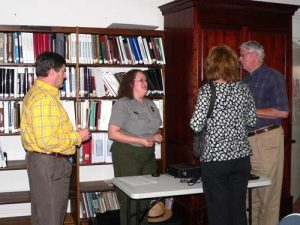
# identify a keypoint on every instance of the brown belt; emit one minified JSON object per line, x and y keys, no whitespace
{"x":262,"y":130}
{"x":55,"y":154}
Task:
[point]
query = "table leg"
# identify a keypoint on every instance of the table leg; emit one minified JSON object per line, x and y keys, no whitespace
{"x":128,"y":211}
{"x":138,"y":211}
{"x":250,"y":205}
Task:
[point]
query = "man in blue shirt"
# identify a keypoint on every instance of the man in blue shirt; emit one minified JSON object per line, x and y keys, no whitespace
{"x":267,"y":138}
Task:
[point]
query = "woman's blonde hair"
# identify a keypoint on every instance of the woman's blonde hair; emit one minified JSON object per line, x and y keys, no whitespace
{"x":222,"y":62}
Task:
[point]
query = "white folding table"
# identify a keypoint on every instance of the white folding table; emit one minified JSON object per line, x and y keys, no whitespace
{"x":147,"y":186}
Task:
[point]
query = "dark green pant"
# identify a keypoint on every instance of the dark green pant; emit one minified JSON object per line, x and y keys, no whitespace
{"x":129,"y":160}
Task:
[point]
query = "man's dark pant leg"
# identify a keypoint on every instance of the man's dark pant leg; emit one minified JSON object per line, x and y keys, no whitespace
{"x":49,"y":179}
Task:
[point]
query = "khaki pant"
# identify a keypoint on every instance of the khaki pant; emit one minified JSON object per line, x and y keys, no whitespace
{"x":267,"y":160}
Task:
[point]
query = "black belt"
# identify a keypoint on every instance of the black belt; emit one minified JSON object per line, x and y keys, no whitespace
{"x":262,"y":130}
{"x":55,"y":154}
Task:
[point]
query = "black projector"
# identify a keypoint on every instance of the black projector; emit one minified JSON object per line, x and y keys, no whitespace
{"x":184,"y":170}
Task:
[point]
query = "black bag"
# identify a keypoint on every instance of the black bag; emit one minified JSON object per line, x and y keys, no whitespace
{"x":199,"y":137}
{"x":110,"y":217}
{"x":199,"y":140}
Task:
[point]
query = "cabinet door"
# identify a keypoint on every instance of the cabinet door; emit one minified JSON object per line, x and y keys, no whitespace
{"x":219,"y":35}
{"x":274,"y":43}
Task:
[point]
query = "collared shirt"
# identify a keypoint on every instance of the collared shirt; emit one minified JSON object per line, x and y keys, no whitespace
{"x":138,"y":119}
{"x":268,"y":89}
{"x":45,"y":125}
{"x":233,"y":112}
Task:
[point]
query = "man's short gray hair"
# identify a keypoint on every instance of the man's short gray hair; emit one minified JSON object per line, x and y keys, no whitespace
{"x":254,"y":46}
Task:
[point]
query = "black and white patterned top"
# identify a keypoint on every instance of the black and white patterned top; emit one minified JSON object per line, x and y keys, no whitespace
{"x":227,"y":132}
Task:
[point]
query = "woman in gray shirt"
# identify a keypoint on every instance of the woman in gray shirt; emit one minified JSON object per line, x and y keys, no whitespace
{"x":134,"y":128}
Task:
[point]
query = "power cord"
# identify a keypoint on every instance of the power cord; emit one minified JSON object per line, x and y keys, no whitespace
{"x":191,"y":181}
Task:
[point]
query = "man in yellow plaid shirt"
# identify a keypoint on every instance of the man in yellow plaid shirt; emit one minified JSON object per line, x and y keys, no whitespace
{"x":49,"y":138}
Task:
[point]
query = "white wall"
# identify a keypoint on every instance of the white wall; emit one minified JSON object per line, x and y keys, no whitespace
{"x":296,"y":28}
{"x":295,"y":162}
{"x":86,"y":13}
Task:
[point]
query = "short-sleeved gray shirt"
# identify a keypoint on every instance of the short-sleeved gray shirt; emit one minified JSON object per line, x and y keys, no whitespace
{"x":139,"y":119}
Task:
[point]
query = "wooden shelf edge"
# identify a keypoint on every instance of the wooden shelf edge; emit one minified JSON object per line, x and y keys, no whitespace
{"x":22,"y":197}
{"x":14,"y":197}
{"x":26,"y":220}
{"x":15,"y":165}
{"x":100,"y":186}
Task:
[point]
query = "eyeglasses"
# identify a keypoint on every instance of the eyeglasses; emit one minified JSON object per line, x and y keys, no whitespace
{"x":242,"y":54}
{"x":142,"y":80}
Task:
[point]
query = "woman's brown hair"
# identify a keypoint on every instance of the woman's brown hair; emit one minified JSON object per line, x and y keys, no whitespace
{"x":222,"y":62}
{"x":126,"y":85}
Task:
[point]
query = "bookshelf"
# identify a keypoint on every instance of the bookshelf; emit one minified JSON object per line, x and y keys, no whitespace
{"x":91,"y":54}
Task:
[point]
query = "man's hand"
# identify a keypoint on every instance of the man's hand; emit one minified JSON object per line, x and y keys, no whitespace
{"x":84,"y":134}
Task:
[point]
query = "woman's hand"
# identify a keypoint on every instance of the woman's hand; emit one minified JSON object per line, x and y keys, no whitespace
{"x":157,"y":138}
{"x":147,"y":142}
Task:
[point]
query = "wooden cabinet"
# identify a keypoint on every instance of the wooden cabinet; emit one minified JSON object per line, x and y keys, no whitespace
{"x":192,"y":27}
{"x":81,"y":48}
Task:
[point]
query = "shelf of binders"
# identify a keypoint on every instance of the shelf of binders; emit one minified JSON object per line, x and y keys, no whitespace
{"x":22,"y":44}
{"x":120,"y":47}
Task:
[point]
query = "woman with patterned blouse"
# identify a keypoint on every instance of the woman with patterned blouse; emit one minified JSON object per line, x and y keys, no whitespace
{"x":226,"y":157}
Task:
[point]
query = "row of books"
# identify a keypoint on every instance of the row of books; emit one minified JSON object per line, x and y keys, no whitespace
{"x":90,"y":114}
{"x":24,"y":47}
{"x":96,"y":150}
{"x":109,"y":49}
{"x":99,"y":82}
{"x":92,"y":203}
{"x":95,"y":114}
{"x":93,"y":82}
{"x":69,"y":87}
{"x":16,"y":81}
{"x":10,"y":114}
